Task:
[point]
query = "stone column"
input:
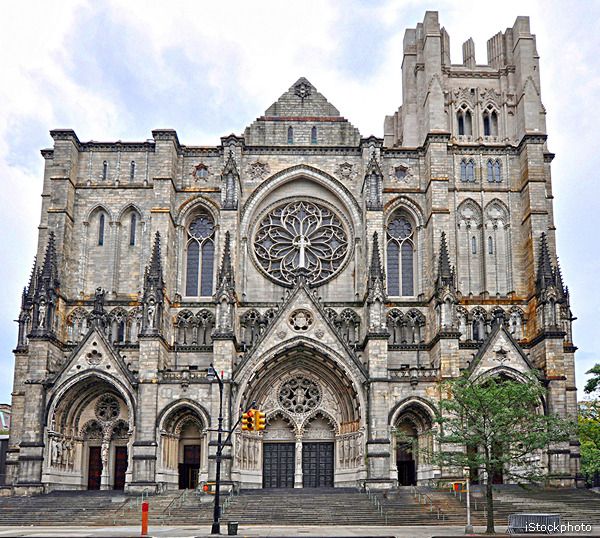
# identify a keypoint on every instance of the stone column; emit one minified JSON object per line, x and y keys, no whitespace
{"x":298,"y":477}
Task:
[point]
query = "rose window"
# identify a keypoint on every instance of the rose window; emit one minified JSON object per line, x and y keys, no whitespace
{"x":299,"y":395}
{"x":301,"y":235}
{"x":107,"y":408}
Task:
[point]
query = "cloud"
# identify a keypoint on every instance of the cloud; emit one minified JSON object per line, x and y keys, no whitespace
{"x":116,"y":70}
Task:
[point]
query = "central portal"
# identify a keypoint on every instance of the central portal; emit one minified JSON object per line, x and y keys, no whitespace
{"x":317,"y":465}
{"x":278,"y":465}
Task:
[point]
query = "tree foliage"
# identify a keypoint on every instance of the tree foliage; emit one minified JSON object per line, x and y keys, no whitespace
{"x":589,"y":436}
{"x":593,"y":383}
{"x":503,"y":423}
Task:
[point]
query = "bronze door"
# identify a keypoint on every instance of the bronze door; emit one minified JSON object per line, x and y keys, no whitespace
{"x":190,"y":468}
{"x":120,"y":466}
{"x":317,"y":465}
{"x":278,"y":465}
{"x":94,"y":467}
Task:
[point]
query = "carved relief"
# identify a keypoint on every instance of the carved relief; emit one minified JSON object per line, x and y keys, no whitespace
{"x":257,"y":171}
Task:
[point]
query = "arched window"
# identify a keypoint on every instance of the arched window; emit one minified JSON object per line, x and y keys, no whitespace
{"x":467,"y":171}
{"x":490,"y":122}
{"x":290,"y":135}
{"x":132,"y":171}
{"x":132,"y":227}
{"x":313,"y":135}
{"x":105,"y":170}
{"x":400,"y":256}
{"x":200,"y":251}
{"x":494,"y":171}
{"x":101,"y":230}
{"x":463,"y":117}
{"x":473,"y":245}
{"x":490,"y":245}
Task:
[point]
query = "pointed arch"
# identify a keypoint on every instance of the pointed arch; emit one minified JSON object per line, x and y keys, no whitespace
{"x":471,"y":245}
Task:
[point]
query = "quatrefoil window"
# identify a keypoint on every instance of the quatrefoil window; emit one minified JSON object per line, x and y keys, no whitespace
{"x":301,"y":234}
{"x":301,"y":320}
{"x":299,"y":395}
{"x":107,"y":408}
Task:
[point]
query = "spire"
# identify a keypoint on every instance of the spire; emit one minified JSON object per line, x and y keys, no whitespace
{"x":48,"y":275}
{"x":376,"y":284}
{"x":155,"y":266}
{"x":153,"y":298}
{"x":376,"y":269}
{"x":230,"y":166}
{"x":546,"y":276}
{"x":226,"y":280}
{"x":445,"y":272}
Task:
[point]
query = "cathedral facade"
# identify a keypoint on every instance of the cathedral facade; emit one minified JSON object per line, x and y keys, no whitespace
{"x":333,"y":279}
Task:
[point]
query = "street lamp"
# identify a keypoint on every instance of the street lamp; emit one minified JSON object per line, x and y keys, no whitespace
{"x":468,"y":526}
{"x":212,"y":375}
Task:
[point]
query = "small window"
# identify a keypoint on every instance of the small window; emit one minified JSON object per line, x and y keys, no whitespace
{"x":486,"y":125}
{"x":105,"y":170}
{"x":313,"y":135}
{"x":101,"y":230}
{"x":467,"y":171}
{"x":461,"y":124}
{"x":132,"y":171}
{"x":290,"y":135}
{"x":490,"y":245}
{"x":494,"y":171}
{"x":132,"y":228}
{"x":473,"y":245}
{"x":490,"y":122}
{"x":400,"y":173}
{"x":463,"y":170}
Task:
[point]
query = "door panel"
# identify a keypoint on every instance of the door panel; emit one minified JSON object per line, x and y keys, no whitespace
{"x":317,"y":465}
{"x":94,"y":467}
{"x":120,"y":466}
{"x":278,"y":465}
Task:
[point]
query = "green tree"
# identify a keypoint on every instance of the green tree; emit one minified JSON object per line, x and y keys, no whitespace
{"x":589,"y":436}
{"x":593,"y":383}
{"x":501,"y":421}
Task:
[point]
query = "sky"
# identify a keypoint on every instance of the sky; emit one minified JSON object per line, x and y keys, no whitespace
{"x":115,"y":70}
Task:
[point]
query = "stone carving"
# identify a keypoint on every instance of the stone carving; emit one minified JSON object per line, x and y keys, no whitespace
{"x":300,"y":234}
{"x":319,"y":333}
{"x":107,"y":408}
{"x":303,"y":90}
{"x":200,"y":172}
{"x":346,"y":171}
{"x":94,"y":357}
{"x":281,"y":335}
{"x":257,"y":171}
{"x":299,"y":395}
{"x":400,"y":173}
{"x":301,"y":320}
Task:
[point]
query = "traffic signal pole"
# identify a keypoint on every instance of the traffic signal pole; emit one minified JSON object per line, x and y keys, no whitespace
{"x":216,"y":524}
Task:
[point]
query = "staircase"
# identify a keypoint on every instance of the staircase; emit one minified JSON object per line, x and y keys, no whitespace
{"x":573,"y":505}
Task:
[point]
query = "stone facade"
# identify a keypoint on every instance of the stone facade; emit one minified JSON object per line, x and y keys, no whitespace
{"x":332,"y":279}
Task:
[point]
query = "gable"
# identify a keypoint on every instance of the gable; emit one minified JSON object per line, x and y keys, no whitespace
{"x":94,"y":353}
{"x":500,"y":350}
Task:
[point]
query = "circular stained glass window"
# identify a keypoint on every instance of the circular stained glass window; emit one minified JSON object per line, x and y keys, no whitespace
{"x":301,"y":234}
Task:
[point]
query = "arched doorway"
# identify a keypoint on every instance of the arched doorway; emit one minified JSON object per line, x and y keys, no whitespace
{"x":184,"y":458}
{"x":88,"y":436}
{"x":413,"y":442}
{"x":315,"y":435}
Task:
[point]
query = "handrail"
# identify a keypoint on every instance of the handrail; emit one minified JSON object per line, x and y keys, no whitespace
{"x":176,"y":502}
{"x":423,"y":498}
{"x":130,"y":504}
{"x":375,"y":502}
{"x":459,"y":494}
{"x":228,"y":500}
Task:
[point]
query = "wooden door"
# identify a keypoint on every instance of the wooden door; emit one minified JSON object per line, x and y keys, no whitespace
{"x":120,"y":466}
{"x":278,"y":465}
{"x":317,"y":465}
{"x":94,"y":467}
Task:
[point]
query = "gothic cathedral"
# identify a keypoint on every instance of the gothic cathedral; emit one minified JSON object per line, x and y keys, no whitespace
{"x":333,"y":279}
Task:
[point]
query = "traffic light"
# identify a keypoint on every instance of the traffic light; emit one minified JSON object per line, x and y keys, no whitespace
{"x":259,"y":420}
{"x":248,"y":420}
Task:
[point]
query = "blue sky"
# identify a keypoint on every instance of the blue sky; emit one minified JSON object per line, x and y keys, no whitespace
{"x":116,"y":70}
